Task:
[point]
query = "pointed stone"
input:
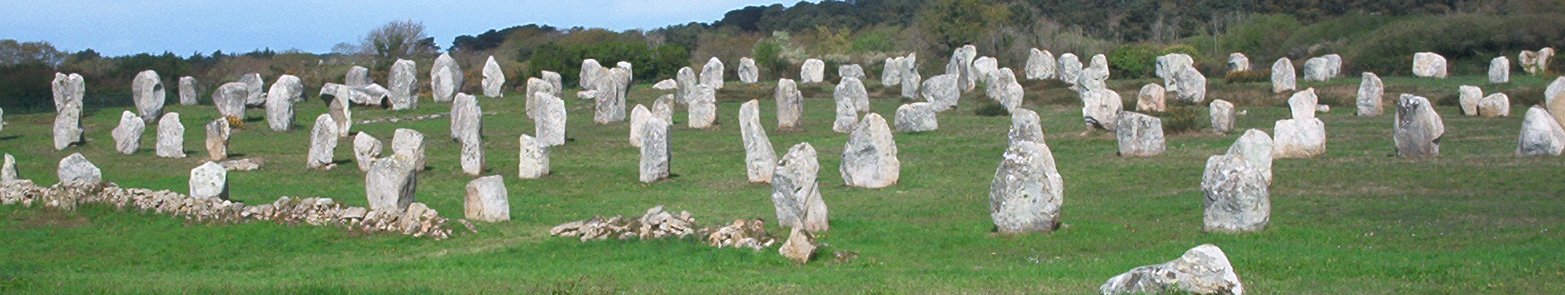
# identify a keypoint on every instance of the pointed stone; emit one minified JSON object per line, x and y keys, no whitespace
{"x":1283,"y":76}
{"x":494,"y":78}
{"x":75,"y":170}
{"x":127,"y":136}
{"x":712,"y":73}
{"x":445,"y":78}
{"x":795,"y":193}
{"x":1027,"y":192}
{"x":869,"y":159}
{"x":760,"y":159}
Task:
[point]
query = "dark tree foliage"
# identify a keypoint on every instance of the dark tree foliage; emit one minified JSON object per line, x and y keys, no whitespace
{"x":492,"y":38}
{"x":651,"y":63}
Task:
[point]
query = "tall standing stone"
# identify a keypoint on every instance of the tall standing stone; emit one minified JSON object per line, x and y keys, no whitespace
{"x":1070,"y":68}
{"x":1283,"y":76}
{"x":712,"y":73}
{"x":253,"y":89}
{"x":1027,"y":193}
{"x":851,"y":71}
{"x":1429,"y":64}
{"x":171,"y":136}
{"x":916,"y":117}
{"x":279,"y":102}
{"x":687,"y":81}
{"x":323,"y":143}
{"x":148,"y":93}
{"x":910,"y":84}
{"x":404,"y":85}
{"x":357,"y":76}
{"x":1222,"y":113}
{"x":813,"y":71}
{"x":487,"y":200}
{"x":469,"y":125}
{"x":8,"y":171}
{"x":549,"y":124}
{"x":609,"y":104}
{"x":1369,"y":96}
{"x":655,"y":155}
{"x":590,"y":71}
{"x":1202,"y":270}
{"x":230,"y":99}
{"x":340,"y":111}
{"x":75,"y":170}
{"x":1237,"y":62}
{"x":494,"y":78}
{"x":68,"y":91}
{"x":1139,"y":135}
{"x":703,"y":108}
{"x":748,"y":73}
{"x":390,"y":184}
{"x":795,"y":193}
{"x":217,"y":133}
{"x":365,"y":149}
{"x":1553,"y":99}
{"x":847,"y":95}
{"x":1040,"y":64}
{"x":869,"y":159}
{"x":759,"y":157}
{"x":209,"y":181}
{"x":127,"y":136}
{"x":1418,"y":128}
{"x":1006,"y":90}
{"x":961,"y":65}
{"x":1237,"y":197}
{"x":533,"y":158}
{"x":536,"y":87}
{"x":1499,"y":70}
{"x":1541,"y":135}
{"x":189,"y":91}
{"x":638,"y":117}
{"x":790,"y":105}
{"x":1150,"y":98}
{"x":445,"y":78}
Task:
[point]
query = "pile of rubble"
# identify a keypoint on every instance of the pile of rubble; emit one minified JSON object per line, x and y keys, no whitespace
{"x":417,"y":221}
{"x":659,"y":224}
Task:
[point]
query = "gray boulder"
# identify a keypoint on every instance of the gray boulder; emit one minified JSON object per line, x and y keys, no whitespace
{"x":390,"y":184}
{"x":790,"y":105}
{"x":1468,"y":99}
{"x":148,"y":94}
{"x":813,"y":71}
{"x":1070,"y":68}
{"x":1317,"y":69}
{"x":590,"y":71}
{"x":323,"y":143}
{"x":759,"y":157}
{"x":1192,"y":85}
{"x":404,"y":85}
{"x":848,"y":94}
{"x":703,"y":108}
{"x":1541,"y":135}
{"x":1100,"y":108}
{"x":230,"y":99}
{"x":1237,"y":62}
{"x":1040,"y":64}
{"x":1499,"y":70}
{"x":1202,"y":270}
{"x":365,"y":149}
{"x":1369,"y":95}
{"x":1418,"y":128}
{"x":487,"y":200}
{"x":1429,"y":64}
{"x":1150,"y":98}
{"x":1222,"y":113}
{"x":638,"y":117}
{"x":1027,"y":193}
{"x":795,"y":193}
{"x":494,"y":78}
{"x":1495,"y":105}
{"x":687,"y":81}
{"x":533,"y":158}
{"x":253,"y":89}
{"x":1283,"y":76}
{"x":916,"y":117}
{"x":1298,"y":138}
{"x":210,"y":180}
{"x":851,"y":71}
{"x":189,"y":91}
{"x":1139,"y":135}
{"x":869,"y":159}
{"x":408,"y":145}
{"x":655,"y":150}
{"x":171,"y":137}
{"x":748,"y":73}
{"x":445,"y":78}
{"x":941,"y":92}
{"x":279,"y":102}
{"x":1237,"y":198}
{"x":549,"y":122}
{"x":712,"y":73}
{"x":127,"y":136}
{"x":357,"y":76}
{"x":75,"y":170}
{"x":217,"y":133}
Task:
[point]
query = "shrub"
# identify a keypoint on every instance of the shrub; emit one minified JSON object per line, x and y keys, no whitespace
{"x":1248,"y":76}
{"x":768,"y":58}
{"x":1180,"y":119}
{"x":1133,"y":61}
{"x":991,"y":109}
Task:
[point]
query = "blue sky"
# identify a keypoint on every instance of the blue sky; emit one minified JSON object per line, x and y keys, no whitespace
{"x":120,"y":27}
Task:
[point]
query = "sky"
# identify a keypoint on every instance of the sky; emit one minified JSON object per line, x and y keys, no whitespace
{"x":123,"y":27}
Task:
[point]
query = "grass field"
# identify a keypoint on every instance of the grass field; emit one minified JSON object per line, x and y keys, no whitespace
{"x":1355,"y":220}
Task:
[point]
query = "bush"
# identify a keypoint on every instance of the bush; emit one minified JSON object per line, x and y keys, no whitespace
{"x":992,"y":109}
{"x":1134,"y":61}
{"x":1248,"y":76}
{"x":1180,"y":119}
{"x":768,"y":58}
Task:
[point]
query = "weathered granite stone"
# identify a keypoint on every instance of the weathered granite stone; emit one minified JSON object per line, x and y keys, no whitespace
{"x":1369,"y":96}
{"x":590,"y":71}
{"x":1222,"y":113}
{"x":1025,"y":126}
{"x":1536,"y":63}
{"x":1495,"y":105}
{"x":851,"y":71}
{"x":1298,"y":138}
{"x":813,"y":71}
{"x":686,"y":78}
{"x":712,"y":73}
{"x":1237,"y":197}
{"x":790,"y":105}
{"x":626,"y":66}
{"x":984,"y":67}
{"x":1429,"y":64}
{"x":1255,"y":147}
{"x":253,"y":89}
{"x":1317,"y":69}
{"x":1170,"y":65}
{"x":189,"y":91}
{"x":703,"y":108}
{"x":1468,"y":99}
{"x":655,"y":150}
{"x":466,"y":118}
{"x":554,"y":80}
{"x":533,"y":158}
{"x":1418,"y":128}
{"x":910,"y":84}
{"x":279,"y":102}
{"x":171,"y":137}
{"x":869,"y":159}
{"x":1553,"y":100}
{"x":75,"y":170}
{"x":638,"y":117}
{"x":549,"y":123}
{"x":1541,"y":135}
{"x":148,"y":94}
{"x":8,"y":171}
{"x":127,"y":136}
{"x":663,"y":108}
{"x":1150,"y":98}
{"x":1070,"y":68}
{"x":487,"y":200}
{"x":1302,"y":104}
{"x":1237,"y":62}
{"x":323,"y":143}
{"x":1283,"y":76}
{"x":759,"y":157}
{"x":357,"y":76}
{"x":800,"y":247}
{"x":1006,"y":90}
{"x":1192,"y":85}
{"x":1040,"y":64}
{"x":365,"y":149}
{"x":210,"y":180}
{"x":1027,"y":193}
{"x":217,"y":133}
{"x":847,"y":96}
{"x":1202,"y":270}
{"x":68,"y":91}
{"x":404,"y":85}
{"x":494,"y":78}
{"x":1139,"y":135}
{"x":445,"y":78}
{"x":1100,"y":108}
{"x":941,"y":92}
{"x":470,"y":136}
{"x":230,"y":99}
{"x":666,"y":84}
{"x":961,"y":65}
{"x":535,"y":88}
{"x":795,"y":193}
{"x":390,"y":184}
{"x":1333,"y":64}
{"x":748,"y":73}
{"x":916,"y":117}
{"x":1499,"y":70}
{"x":340,"y":112}
{"x":1094,"y":76}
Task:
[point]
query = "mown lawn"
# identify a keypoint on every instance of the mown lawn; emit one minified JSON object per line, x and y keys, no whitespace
{"x":1356,"y":220}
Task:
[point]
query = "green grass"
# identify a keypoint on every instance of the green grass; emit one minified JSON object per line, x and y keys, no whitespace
{"x":1355,"y":220}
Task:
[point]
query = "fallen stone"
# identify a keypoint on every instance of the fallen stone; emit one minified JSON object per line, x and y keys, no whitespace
{"x":1202,"y":270}
{"x":800,"y":246}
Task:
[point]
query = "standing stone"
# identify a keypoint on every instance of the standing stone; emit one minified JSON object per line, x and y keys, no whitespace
{"x":494,"y":78}
{"x":590,"y":71}
{"x":1096,"y":75}
{"x":961,"y":64}
{"x":1499,"y":70}
{"x":1139,"y":135}
{"x":1333,"y":64}
{"x":625,"y":65}
{"x":638,"y":118}
{"x":1222,"y":113}
{"x":1429,"y":64}
{"x":1202,"y":270}
{"x":748,"y":73}
{"x":984,"y":68}
{"x":910,"y":83}
{"x":445,"y":78}
{"x":408,"y":145}
{"x":1553,"y":99}
{"x":869,"y":159}
{"x":171,"y":137}
{"x":655,"y":149}
{"x":148,"y":93}
{"x":847,"y":96}
{"x":1317,"y":69}
{"x":549,"y":124}
{"x":1369,"y":96}
{"x":404,"y":85}
{"x":790,"y":105}
{"x":1283,"y":76}
{"x":941,"y":92}
{"x":1302,"y":104}
{"x":535,"y":88}
{"x":279,"y":102}
{"x":891,"y":71}
{"x":813,"y":71}
{"x":533,"y":158}
{"x":323,"y":143}
{"x":127,"y":136}
{"x":851,"y":71}
{"x":189,"y":91}
{"x":1536,"y":63}
{"x":390,"y":184}
{"x":75,"y":170}
{"x":341,"y":114}
{"x":1169,"y":66}
{"x":795,"y":193}
{"x":253,"y":87}
{"x":1541,"y":135}
{"x":1418,"y":128}
{"x":1070,"y":68}
{"x":1237,"y":197}
{"x":663,"y":108}
{"x":703,"y":108}
{"x":1150,"y":99}
{"x":1469,"y":99}
{"x":554,"y":80}
{"x":1027,"y":192}
{"x":1255,"y":147}
{"x":712,"y":73}
{"x":1040,"y":64}
{"x":686,"y":78}
{"x":1237,"y":62}
{"x":466,"y":118}
{"x":916,"y":117}
{"x":1006,"y":90}
{"x":208,"y":181}
{"x":1025,"y":126}
{"x":68,"y":91}
{"x":1100,"y":108}
{"x":800,"y":246}
{"x":357,"y":77}
{"x":487,"y":200}
{"x":610,"y":102}
{"x":1298,"y":138}
{"x":365,"y":149}
{"x":217,"y":133}
{"x":1495,"y":105}
{"x":1192,"y":85}
{"x":8,"y":171}
{"x":230,"y":99}
{"x":759,"y":157}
